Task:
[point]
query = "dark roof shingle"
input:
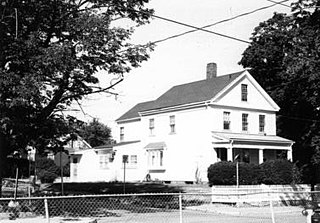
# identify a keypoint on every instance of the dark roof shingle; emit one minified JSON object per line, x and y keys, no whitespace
{"x":193,"y":92}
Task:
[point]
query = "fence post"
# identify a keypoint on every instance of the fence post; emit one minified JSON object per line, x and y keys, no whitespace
{"x":180,"y":206}
{"x":46,"y":210}
{"x":271,"y":208}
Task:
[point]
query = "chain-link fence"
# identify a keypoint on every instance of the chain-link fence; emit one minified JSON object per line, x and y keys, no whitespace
{"x":182,"y":207}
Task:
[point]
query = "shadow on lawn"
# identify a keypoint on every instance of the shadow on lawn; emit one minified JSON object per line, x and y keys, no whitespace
{"x":114,"y":205}
{"x":112,"y":188}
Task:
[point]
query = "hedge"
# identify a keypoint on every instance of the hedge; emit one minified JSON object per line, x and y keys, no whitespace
{"x":278,"y":171}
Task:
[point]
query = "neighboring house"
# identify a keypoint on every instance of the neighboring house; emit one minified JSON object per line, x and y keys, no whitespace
{"x":177,"y":136}
{"x":193,"y":125}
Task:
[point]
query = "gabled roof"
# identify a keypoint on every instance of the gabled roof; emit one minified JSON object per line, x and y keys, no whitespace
{"x":133,"y":113}
{"x":198,"y":91}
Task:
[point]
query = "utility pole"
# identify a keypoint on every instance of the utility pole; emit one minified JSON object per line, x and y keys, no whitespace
{"x":124,"y":160}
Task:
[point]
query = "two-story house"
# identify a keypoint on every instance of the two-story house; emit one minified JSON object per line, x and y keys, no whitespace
{"x":177,"y":136}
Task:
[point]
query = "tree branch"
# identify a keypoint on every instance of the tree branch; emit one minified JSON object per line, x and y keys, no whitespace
{"x":105,"y":90}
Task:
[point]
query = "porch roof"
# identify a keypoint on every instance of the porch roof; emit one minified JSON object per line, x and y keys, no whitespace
{"x":155,"y":145}
{"x":237,"y":138}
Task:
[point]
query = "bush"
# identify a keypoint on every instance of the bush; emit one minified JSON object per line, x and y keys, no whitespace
{"x":47,"y":170}
{"x":278,"y":171}
{"x":222,"y":173}
{"x":249,"y":174}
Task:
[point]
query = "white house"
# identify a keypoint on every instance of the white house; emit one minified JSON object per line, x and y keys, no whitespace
{"x":177,"y":136}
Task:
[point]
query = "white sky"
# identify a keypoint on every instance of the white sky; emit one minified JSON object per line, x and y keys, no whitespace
{"x":183,"y":59}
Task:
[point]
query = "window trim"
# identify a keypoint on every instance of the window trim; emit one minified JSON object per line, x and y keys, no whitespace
{"x":151,"y":126}
{"x":245,"y":122}
{"x":156,"y":159}
{"x":226,"y":120}
{"x":262,"y":123}
{"x":121,"y":133}
{"x":244,"y":92}
{"x":104,"y":161}
{"x":172,"y":123}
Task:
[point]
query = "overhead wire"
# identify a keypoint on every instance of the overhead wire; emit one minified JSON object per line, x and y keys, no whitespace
{"x":216,"y":23}
{"x":280,"y":3}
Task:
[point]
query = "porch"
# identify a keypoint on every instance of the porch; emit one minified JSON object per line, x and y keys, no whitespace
{"x":251,"y":148}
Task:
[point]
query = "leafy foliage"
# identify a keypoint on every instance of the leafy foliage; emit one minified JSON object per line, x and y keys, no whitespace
{"x":47,"y":171}
{"x":50,"y":52}
{"x":95,"y":133}
{"x":278,"y":171}
{"x":284,"y":56}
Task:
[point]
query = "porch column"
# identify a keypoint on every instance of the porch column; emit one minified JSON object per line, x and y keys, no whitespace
{"x":230,"y":153}
{"x":289,"y":155}
{"x":260,"y":156}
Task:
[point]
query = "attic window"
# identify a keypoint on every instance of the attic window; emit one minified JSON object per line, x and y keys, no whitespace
{"x":244,"y":92}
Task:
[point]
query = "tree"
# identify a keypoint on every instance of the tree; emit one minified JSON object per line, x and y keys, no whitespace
{"x":284,"y":57}
{"x":95,"y":133}
{"x":50,"y":52}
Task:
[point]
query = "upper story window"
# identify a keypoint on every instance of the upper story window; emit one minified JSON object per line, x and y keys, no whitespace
{"x":121,"y":134}
{"x":226,"y":120}
{"x":262,"y":123}
{"x":151,"y":126}
{"x":172,"y":124}
{"x":244,"y":92}
{"x":244,"y":122}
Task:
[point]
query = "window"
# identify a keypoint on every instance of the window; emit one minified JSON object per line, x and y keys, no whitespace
{"x":245,"y":122}
{"x":121,"y":134}
{"x":261,"y":123}
{"x":172,"y":124}
{"x":75,"y":166}
{"x":155,"y":158}
{"x":226,"y":120}
{"x":103,"y":161}
{"x":133,"y":160}
{"x":244,"y":92}
{"x":151,"y":126}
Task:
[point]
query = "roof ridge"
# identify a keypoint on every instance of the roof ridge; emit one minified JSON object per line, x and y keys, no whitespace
{"x":187,"y":93}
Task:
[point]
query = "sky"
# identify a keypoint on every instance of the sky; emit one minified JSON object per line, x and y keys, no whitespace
{"x":183,"y":59}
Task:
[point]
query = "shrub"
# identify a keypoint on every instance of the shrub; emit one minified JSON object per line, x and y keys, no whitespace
{"x":249,"y":174}
{"x":47,"y":170}
{"x":222,"y":173}
{"x":278,"y":171}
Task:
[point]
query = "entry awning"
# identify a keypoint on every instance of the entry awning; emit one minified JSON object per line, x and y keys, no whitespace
{"x":156,"y":146}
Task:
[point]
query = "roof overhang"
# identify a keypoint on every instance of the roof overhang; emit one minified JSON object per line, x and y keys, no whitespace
{"x":250,"y":141}
{"x":156,"y":146}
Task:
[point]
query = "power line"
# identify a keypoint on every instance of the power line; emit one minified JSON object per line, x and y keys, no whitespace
{"x":311,"y":7}
{"x":216,"y":23}
{"x":200,"y":29}
{"x":280,"y":3}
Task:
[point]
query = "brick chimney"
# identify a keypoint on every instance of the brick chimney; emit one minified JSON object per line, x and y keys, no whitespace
{"x":211,"y":70}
